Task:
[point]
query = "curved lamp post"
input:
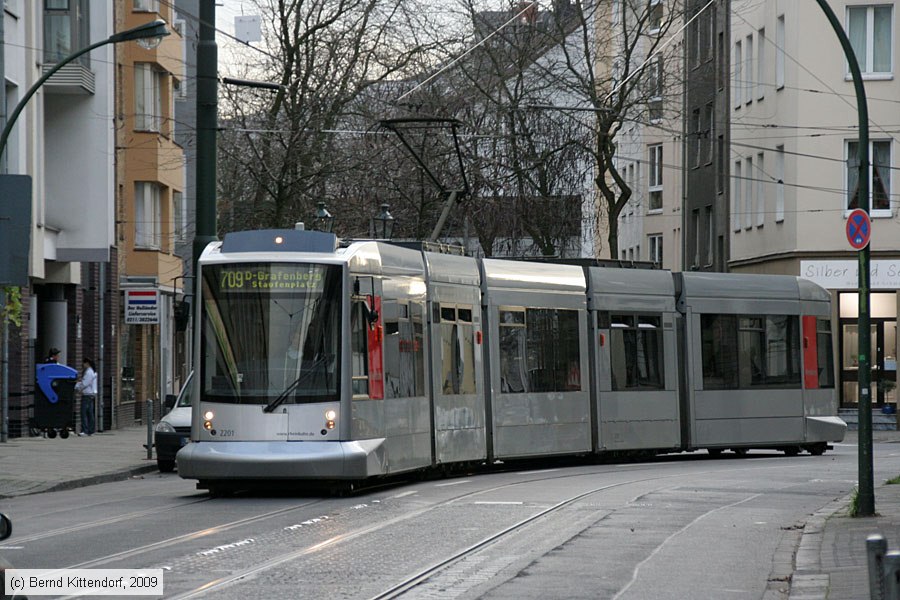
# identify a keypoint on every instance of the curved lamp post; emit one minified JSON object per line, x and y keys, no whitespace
{"x":149,"y":35}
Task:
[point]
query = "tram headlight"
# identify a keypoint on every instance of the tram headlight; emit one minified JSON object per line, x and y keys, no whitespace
{"x":330,"y":415}
{"x":207,"y":425}
{"x":208,"y":415}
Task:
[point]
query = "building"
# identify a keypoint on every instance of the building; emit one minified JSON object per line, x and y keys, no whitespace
{"x":63,"y":140}
{"x":150,"y":182}
{"x":649,"y":143}
{"x":794,"y":139}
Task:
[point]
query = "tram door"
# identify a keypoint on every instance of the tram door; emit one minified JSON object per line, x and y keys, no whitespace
{"x":883,"y":350}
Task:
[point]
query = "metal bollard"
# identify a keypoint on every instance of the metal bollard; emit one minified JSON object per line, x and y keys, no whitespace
{"x":876,"y":548}
{"x":892,"y":575}
{"x":149,"y":429}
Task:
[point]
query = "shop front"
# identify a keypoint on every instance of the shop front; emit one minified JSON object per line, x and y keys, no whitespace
{"x":841,"y":278}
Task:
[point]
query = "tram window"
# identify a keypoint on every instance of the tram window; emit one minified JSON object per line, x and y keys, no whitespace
{"x":750,"y":351}
{"x":824,"y":353}
{"x":416,"y":314}
{"x":539,"y":350}
{"x":465,"y":315}
{"x":457,"y":351}
{"x":719,"y":351}
{"x":636,"y":352}
{"x":402,"y":352}
{"x":359,"y":352}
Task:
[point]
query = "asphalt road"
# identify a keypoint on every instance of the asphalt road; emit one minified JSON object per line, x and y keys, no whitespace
{"x":680,"y":527}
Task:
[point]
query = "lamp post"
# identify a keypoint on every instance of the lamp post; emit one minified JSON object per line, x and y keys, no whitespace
{"x":384,"y":224}
{"x":866,"y":497}
{"x":323,"y":220}
{"x":149,"y":35}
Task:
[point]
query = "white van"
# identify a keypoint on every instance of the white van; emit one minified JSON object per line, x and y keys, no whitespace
{"x":174,"y":430}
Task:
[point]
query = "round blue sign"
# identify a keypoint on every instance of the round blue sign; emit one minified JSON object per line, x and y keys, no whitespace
{"x":859,"y":229}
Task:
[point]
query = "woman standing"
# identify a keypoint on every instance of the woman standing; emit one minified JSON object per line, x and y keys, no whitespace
{"x":87,"y":385}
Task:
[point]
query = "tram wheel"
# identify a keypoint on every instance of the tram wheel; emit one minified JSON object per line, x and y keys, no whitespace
{"x":714,"y":452}
{"x":791,"y":451}
{"x":51,"y":433}
{"x":817,"y":449}
{"x":64,"y":434}
{"x":740,"y":452}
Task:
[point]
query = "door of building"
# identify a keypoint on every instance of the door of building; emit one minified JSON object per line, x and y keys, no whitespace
{"x":882,"y":353}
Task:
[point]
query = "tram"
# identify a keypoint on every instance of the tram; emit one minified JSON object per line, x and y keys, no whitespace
{"x":323,"y":360}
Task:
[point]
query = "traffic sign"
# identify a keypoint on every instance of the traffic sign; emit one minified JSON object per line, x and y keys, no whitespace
{"x":859,"y":229}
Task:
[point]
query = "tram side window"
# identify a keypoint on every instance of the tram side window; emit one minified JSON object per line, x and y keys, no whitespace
{"x":539,"y":350}
{"x":719,"y":351}
{"x":457,"y":349}
{"x":750,"y":351}
{"x":403,"y":360}
{"x":359,"y":353}
{"x":636,"y":352}
{"x":824,"y":353}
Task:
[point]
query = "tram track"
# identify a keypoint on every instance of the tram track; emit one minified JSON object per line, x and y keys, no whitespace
{"x":415,"y":579}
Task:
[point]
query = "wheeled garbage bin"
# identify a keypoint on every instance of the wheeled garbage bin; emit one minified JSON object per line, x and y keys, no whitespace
{"x":54,"y":401}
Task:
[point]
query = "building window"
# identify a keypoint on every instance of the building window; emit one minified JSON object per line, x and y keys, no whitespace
{"x":720,"y":164}
{"x":738,"y":75}
{"x":655,"y":16}
{"x":870,"y":32}
{"x":655,"y":243}
{"x":67,"y":28}
{"x":761,"y":64}
{"x":710,"y":236}
{"x":146,"y":5}
{"x":710,"y":122}
{"x":655,"y":184}
{"x":779,"y":52}
{"x":655,"y":90}
{"x":760,"y":190}
{"x":180,"y":210}
{"x":722,"y":70}
{"x":779,"y":180}
{"x":879,"y":176}
{"x":748,"y":194}
{"x":696,"y":136}
{"x":147,"y":215}
{"x":748,"y":70}
{"x":736,"y":197}
{"x":695,"y":220}
{"x":147,"y":97}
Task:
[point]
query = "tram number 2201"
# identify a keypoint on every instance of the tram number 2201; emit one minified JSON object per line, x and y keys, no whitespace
{"x":226,"y":432}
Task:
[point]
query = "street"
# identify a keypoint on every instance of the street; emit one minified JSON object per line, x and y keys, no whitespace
{"x":677,"y":527}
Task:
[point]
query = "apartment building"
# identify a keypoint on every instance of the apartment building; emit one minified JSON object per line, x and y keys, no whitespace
{"x":794,"y":170}
{"x":649,"y":143}
{"x":63,"y":141}
{"x":150,"y":184}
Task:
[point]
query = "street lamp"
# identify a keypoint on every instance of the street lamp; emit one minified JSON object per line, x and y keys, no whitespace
{"x":384,"y":224}
{"x":323,"y":221}
{"x":148,"y":35}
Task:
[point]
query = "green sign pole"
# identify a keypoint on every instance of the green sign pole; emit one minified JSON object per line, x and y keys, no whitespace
{"x":866,"y":498}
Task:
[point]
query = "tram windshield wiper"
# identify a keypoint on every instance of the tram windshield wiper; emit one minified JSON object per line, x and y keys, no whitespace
{"x":294,"y":385}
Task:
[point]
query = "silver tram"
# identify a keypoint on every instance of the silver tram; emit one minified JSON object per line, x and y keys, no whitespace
{"x":329,"y":361}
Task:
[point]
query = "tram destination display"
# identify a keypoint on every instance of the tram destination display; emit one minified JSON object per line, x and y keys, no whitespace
{"x":273,"y":277}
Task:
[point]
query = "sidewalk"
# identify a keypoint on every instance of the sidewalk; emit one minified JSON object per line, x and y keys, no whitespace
{"x":831,"y":561}
{"x":31,"y":465}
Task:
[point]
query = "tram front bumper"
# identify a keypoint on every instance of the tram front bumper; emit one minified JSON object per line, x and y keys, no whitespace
{"x":282,"y":460}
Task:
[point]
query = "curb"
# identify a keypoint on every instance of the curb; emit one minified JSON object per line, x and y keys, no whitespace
{"x":84,"y":481}
{"x":808,"y":581}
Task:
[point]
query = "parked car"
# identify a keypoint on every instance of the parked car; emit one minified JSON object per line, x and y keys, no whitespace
{"x":5,"y":532}
{"x":174,"y":430}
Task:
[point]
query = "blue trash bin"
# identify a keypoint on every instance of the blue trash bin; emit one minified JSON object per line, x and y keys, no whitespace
{"x":54,"y":398}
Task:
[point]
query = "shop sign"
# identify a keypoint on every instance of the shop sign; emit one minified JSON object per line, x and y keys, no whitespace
{"x":844,"y":274}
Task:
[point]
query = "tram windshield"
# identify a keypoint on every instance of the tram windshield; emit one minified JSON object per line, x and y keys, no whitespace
{"x":270,"y":333}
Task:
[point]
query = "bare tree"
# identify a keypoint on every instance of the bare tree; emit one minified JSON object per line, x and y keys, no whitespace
{"x":280,"y":150}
